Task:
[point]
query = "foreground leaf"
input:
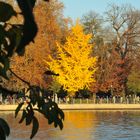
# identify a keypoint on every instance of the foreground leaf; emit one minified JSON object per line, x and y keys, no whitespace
{"x":5,"y":127}
{"x":2,"y":134}
{"x":35,"y":127}
{"x":18,"y":109}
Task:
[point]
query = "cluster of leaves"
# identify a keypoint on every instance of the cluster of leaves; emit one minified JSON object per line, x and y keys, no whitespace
{"x":7,"y":40}
{"x":13,"y":39}
{"x":37,"y":102}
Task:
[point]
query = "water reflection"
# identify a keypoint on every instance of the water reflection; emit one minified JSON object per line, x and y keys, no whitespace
{"x":82,"y":125}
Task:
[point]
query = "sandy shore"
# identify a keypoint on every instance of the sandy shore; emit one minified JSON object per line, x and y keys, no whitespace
{"x":84,"y":107}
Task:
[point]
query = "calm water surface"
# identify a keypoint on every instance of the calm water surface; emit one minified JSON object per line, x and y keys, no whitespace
{"x":82,"y":125}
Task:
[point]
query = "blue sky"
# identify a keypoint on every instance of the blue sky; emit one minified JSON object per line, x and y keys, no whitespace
{"x":76,"y":8}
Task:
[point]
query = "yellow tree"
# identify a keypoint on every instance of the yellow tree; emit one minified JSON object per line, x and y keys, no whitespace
{"x":74,"y":63}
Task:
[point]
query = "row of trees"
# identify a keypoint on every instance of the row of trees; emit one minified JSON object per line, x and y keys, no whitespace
{"x":117,"y":45}
{"x":101,"y":54}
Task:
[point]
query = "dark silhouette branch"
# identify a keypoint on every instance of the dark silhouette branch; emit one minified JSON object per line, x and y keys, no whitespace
{"x":19,"y":77}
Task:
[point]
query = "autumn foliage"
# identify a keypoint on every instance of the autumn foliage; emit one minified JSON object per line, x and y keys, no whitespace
{"x":74,"y":63}
{"x":51,"y":28}
{"x":73,"y":53}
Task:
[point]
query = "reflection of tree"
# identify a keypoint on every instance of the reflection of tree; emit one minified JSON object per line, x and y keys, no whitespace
{"x":75,"y":123}
{"x":79,"y":118}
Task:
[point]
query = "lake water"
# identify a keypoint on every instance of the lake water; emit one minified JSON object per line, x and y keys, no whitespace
{"x":82,"y":125}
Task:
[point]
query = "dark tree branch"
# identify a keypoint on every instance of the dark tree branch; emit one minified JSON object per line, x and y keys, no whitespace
{"x":19,"y":77}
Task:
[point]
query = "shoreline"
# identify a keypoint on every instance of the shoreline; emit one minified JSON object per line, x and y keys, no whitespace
{"x":84,"y":107}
